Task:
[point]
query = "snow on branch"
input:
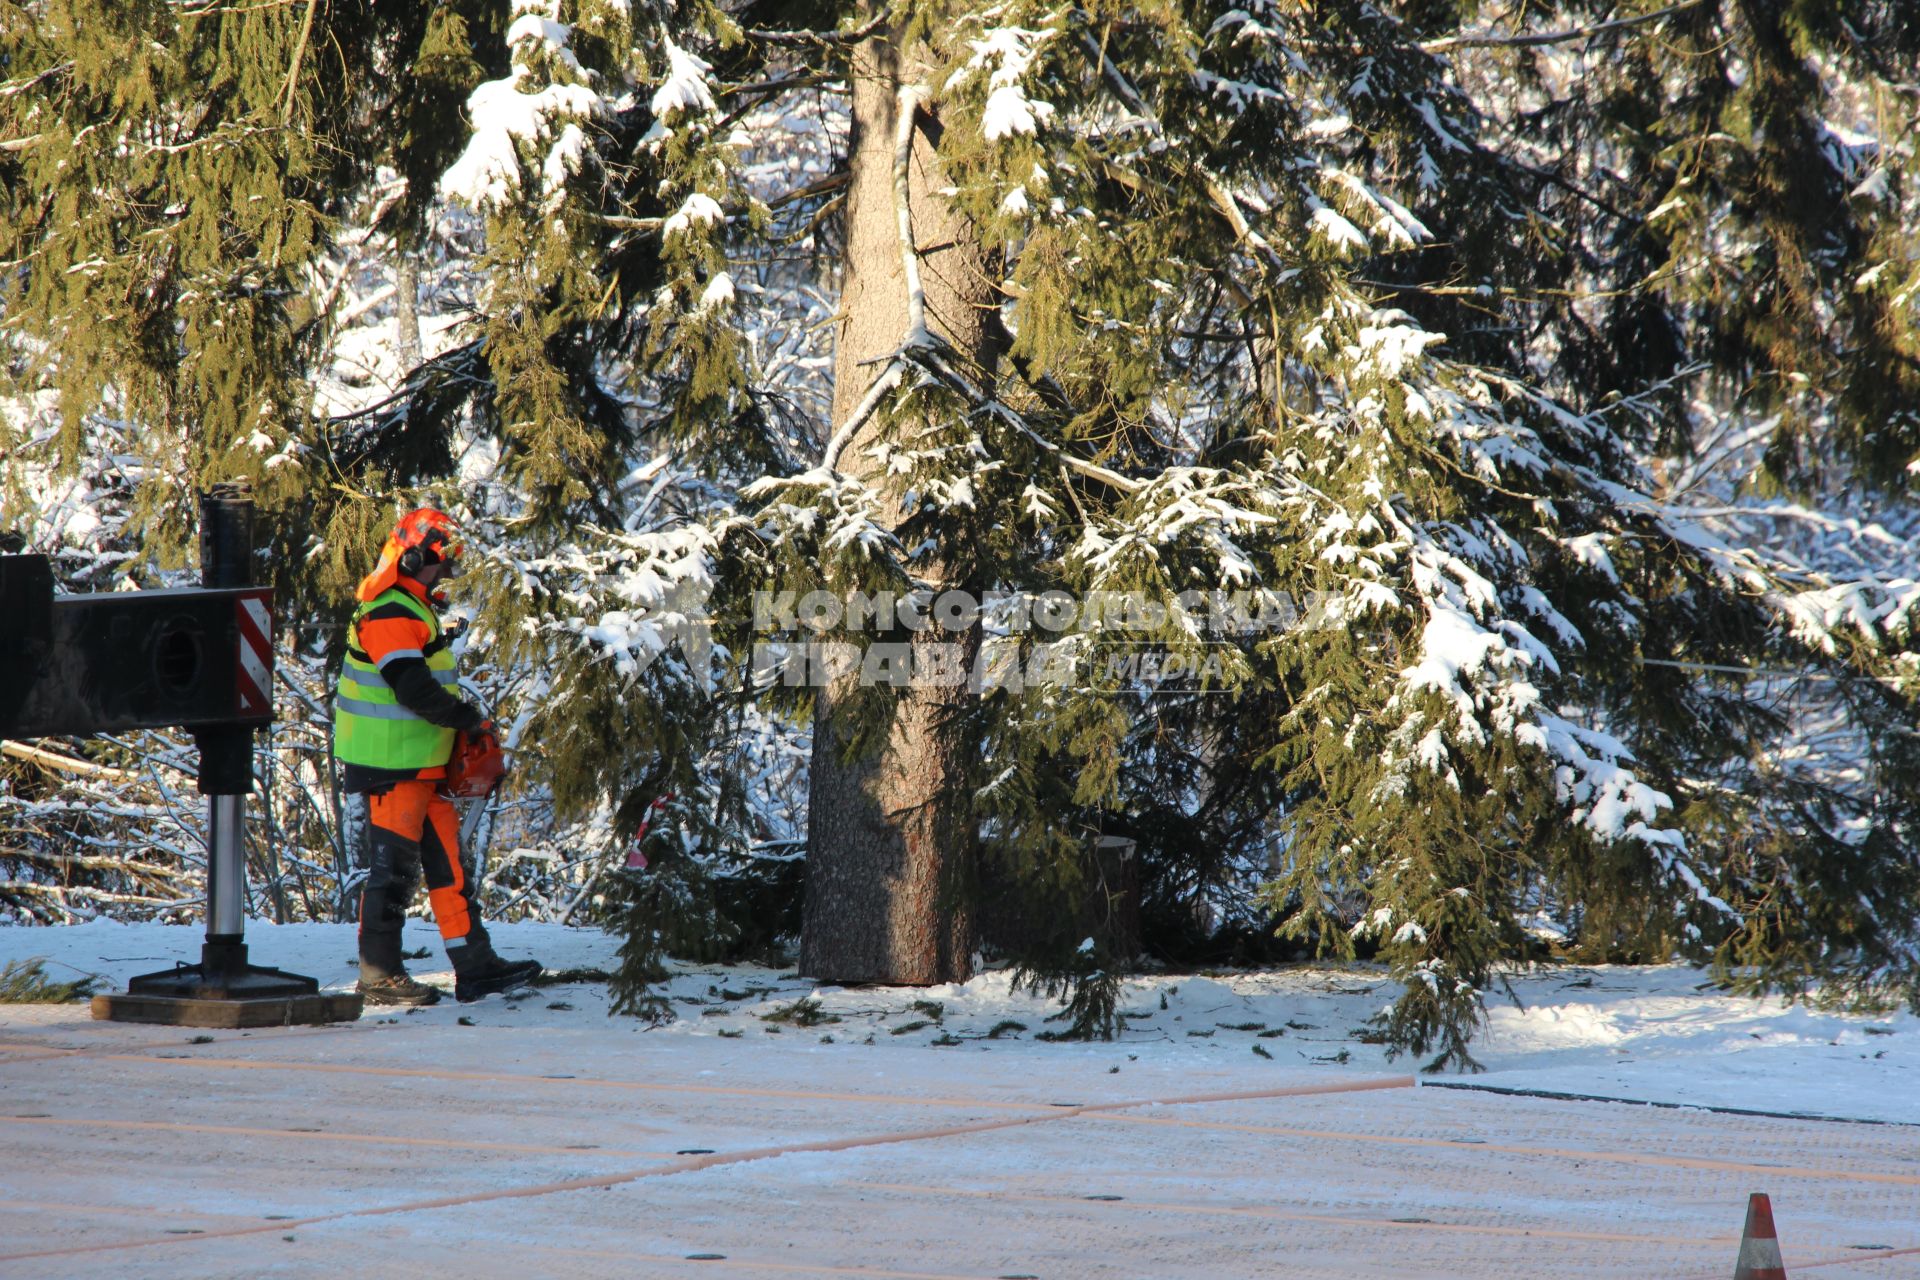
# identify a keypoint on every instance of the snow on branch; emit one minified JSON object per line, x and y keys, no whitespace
{"x":1011,"y":52}
{"x":632,"y":596}
{"x":1217,"y":192}
{"x":906,"y":109}
{"x":853,"y":35}
{"x":488,"y":173}
{"x":686,"y":90}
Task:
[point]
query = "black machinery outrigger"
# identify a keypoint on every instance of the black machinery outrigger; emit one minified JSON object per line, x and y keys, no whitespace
{"x":199,"y":658}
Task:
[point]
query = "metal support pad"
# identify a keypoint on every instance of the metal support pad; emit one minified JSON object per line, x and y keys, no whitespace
{"x":228,"y":1012}
{"x":222,"y":974}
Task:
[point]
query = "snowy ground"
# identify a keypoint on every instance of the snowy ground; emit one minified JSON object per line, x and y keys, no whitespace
{"x":1641,"y":1034}
{"x":922,"y":1132}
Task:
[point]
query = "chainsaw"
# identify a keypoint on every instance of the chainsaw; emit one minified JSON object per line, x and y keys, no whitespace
{"x":473,"y":773}
{"x":477,"y":764}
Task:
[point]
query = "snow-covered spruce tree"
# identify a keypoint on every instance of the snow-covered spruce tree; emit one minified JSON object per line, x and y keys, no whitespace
{"x":1734,"y":193}
{"x":615,"y":382}
{"x":168,"y":171}
{"x":176,"y":179}
{"x":1185,"y":213}
{"x":168,"y":179}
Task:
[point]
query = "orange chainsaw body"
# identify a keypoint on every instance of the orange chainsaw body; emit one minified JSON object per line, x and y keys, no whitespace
{"x":477,"y":765}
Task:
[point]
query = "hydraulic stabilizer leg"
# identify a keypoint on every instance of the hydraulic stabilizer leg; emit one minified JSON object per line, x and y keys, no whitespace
{"x":223,"y":990}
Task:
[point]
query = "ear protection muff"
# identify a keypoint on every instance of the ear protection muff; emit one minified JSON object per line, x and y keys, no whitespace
{"x":423,"y":538}
{"x":431,"y":549}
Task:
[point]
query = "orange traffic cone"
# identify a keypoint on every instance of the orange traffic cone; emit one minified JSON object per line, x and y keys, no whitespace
{"x":1759,"y":1248}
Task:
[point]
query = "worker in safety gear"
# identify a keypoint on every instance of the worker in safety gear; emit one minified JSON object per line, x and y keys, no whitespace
{"x":396,"y":712}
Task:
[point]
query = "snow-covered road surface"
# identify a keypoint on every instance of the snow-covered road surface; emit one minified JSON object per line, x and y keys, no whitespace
{"x":544,"y":1140}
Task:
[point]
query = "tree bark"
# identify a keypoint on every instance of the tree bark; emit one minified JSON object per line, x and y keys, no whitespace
{"x":891,"y":838}
{"x":406,"y":306}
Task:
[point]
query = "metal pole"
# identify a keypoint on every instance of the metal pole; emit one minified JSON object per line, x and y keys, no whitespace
{"x":226,"y":868}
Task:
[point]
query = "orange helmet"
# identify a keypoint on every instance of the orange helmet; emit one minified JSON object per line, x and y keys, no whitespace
{"x":423,"y":537}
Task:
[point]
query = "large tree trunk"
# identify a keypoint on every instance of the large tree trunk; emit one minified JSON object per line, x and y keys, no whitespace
{"x":890,"y":838}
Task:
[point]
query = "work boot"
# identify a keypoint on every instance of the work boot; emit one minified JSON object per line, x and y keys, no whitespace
{"x":479,"y":971}
{"x":396,"y":988}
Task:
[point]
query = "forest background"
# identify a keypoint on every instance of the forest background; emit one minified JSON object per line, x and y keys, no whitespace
{"x":1563,"y":356}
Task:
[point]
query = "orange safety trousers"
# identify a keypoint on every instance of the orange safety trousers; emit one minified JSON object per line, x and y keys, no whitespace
{"x":413,"y":817}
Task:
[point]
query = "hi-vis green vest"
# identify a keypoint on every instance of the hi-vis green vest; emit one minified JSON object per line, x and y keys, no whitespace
{"x":370,"y":727}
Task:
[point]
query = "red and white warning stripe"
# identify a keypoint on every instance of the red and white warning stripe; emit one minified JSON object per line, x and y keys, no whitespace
{"x":254,"y":683}
{"x":1759,"y":1245}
